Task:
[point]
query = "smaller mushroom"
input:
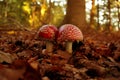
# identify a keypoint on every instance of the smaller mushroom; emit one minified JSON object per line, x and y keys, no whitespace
{"x":48,"y":34}
{"x":69,"y":33}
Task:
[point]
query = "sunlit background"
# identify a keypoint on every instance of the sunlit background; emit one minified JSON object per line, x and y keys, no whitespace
{"x":102,"y":12}
{"x":34,"y":13}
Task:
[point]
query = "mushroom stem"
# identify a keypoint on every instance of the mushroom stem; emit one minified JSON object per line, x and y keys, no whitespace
{"x":69,"y":46}
{"x":49,"y":46}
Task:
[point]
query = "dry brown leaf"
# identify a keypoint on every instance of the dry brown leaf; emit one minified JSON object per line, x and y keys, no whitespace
{"x":6,"y":57}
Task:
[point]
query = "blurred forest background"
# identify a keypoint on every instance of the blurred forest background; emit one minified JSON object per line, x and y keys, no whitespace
{"x":103,"y":15}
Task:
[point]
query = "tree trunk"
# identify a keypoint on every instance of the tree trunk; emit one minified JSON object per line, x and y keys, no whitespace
{"x":75,"y":13}
{"x":92,"y":15}
{"x":118,"y":10}
{"x":109,"y":16}
{"x":98,"y":24}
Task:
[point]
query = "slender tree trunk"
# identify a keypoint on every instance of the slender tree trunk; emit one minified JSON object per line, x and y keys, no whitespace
{"x":118,"y":10}
{"x":119,"y":18}
{"x":2,"y":9}
{"x":33,"y":13}
{"x":92,"y":15}
{"x":75,"y":13}
{"x":49,"y":12}
{"x":98,"y":24}
{"x":6,"y":9}
{"x":109,"y":16}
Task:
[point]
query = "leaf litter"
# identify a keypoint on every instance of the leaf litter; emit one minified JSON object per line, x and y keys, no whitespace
{"x":23,"y":57}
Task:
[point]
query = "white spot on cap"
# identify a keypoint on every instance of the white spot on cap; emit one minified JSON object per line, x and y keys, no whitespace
{"x":69,"y":32}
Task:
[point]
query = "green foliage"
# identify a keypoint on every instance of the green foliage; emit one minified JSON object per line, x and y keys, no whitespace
{"x":32,"y":13}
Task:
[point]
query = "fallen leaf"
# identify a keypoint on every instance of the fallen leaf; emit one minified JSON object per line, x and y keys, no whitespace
{"x":6,"y":57}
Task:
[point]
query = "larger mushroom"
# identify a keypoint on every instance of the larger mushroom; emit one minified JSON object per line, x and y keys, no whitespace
{"x":69,"y":33}
{"x":48,"y":34}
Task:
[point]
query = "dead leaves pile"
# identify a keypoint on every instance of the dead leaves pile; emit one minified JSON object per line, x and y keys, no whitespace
{"x":25,"y":58}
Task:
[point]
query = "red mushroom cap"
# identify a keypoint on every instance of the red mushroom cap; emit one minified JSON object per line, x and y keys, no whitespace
{"x":69,"y":32}
{"x":48,"y":32}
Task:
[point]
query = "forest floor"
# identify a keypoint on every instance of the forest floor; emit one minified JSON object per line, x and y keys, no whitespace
{"x":23,"y":57}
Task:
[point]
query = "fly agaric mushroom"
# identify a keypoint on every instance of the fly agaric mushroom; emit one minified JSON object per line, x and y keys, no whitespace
{"x":48,"y":34}
{"x":69,"y":33}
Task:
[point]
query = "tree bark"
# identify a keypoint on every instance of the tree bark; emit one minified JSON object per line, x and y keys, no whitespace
{"x":98,"y":24}
{"x":92,"y":15}
{"x":109,"y":16}
{"x":75,"y":13}
{"x":118,"y":10}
